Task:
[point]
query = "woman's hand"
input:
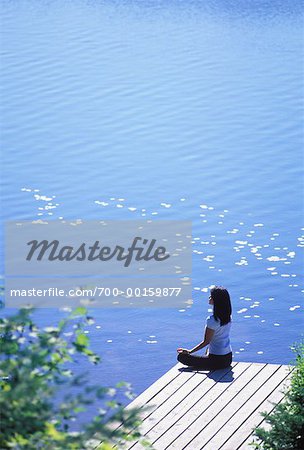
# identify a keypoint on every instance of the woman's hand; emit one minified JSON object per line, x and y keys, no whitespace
{"x":183,"y":350}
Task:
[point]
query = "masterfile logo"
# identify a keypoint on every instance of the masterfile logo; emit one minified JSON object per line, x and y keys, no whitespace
{"x":101,"y":261}
{"x":98,"y":248}
{"x":54,"y":251}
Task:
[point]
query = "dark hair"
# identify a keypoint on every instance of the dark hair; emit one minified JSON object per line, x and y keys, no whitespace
{"x":221,"y":304}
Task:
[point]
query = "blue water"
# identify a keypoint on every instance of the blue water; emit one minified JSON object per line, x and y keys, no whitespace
{"x":111,"y":105}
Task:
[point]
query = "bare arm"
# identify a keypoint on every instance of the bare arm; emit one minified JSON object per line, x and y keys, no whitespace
{"x":207,"y":338}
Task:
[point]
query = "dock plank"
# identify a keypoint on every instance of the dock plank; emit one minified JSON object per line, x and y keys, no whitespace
{"x":156,"y":387}
{"x":195,"y":410}
{"x":157,"y":405}
{"x":253,"y":395}
{"x":192,"y":394}
{"x":183,"y":401}
{"x":183,"y":415}
{"x":145,"y":397}
{"x":244,"y":432}
{"x":219,"y":408}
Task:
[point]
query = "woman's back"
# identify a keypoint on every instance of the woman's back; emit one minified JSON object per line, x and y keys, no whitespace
{"x":220,"y":342}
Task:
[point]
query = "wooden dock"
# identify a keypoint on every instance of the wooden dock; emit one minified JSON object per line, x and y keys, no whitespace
{"x":216,"y":410}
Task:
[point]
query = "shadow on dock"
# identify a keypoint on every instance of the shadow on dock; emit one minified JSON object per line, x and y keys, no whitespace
{"x":220,"y":375}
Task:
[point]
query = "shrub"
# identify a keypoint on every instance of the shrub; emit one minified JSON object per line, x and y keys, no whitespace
{"x":35,"y":363}
{"x":287,"y":419}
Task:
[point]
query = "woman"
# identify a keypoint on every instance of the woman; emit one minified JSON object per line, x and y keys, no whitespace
{"x":216,"y":336}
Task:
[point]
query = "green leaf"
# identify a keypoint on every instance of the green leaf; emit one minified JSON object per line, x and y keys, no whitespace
{"x":78,"y":312}
{"x":82,"y":339}
{"x":55,"y":434}
{"x":105,"y":446}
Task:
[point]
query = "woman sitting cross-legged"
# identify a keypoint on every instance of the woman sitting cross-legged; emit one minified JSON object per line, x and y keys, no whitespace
{"x":216,"y":336}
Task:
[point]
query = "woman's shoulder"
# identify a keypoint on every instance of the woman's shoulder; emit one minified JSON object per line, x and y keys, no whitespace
{"x":212,"y":323}
{"x":211,"y":317}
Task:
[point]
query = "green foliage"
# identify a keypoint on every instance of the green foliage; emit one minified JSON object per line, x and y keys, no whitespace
{"x":287,"y":419}
{"x":34,"y":364}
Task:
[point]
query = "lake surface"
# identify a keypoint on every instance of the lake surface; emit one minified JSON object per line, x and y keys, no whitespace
{"x":166,"y":110}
